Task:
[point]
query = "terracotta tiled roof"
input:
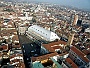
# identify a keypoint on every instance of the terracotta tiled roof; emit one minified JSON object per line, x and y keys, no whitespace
{"x":44,"y":57}
{"x":57,"y":43}
{"x":8,"y":31}
{"x":51,"y":48}
{"x":1,"y":38}
{"x":68,"y":60}
{"x":12,"y":56}
{"x":20,"y":64}
{"x":80,"y":54}
{"x":15,"y":38}
{"x":86,"y":52}
{"x":4,"y":47}
{"x":15,"y":55}
{"x":10,"y":23}
{"x":54,"y":45}
{"x":17,"y":19}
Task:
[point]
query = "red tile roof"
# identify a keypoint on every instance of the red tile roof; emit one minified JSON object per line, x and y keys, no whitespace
{"x":18,"y":65}
{"x":68,"y":60}
{"x":44,"y":57}
{"x":11,"y":31}
{"x":51,"y":46}
{"x":15,"y":38}
{"x":4,"y":47}
{"x":80,"y":54}
{"x":86,"y":52}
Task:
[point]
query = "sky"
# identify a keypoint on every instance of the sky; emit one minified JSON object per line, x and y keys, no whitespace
{"x":81,"y":4}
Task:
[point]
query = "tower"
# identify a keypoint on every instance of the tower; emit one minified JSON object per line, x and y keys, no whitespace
{"x":75,"y":20}
{"x":70,"y":39}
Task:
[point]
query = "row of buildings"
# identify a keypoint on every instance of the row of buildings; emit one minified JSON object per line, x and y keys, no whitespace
{"x":11,"y":55}
{"x":54,"y":40}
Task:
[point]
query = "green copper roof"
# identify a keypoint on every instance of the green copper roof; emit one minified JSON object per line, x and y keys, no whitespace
{"x":58,"y":65}
{"x":37,"y":65}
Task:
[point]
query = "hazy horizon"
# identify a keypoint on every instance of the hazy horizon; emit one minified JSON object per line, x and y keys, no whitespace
{"x":81,"y":4}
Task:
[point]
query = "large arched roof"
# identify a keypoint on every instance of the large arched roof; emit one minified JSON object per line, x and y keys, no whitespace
{"x":51,"y":36}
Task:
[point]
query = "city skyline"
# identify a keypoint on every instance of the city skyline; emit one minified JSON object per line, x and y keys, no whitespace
{"x":81,"y":4}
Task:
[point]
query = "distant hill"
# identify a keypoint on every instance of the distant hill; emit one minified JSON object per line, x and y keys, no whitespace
{"x":33,"y":1}
{"x":9,"y":0}
{"x":13,"y":0}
